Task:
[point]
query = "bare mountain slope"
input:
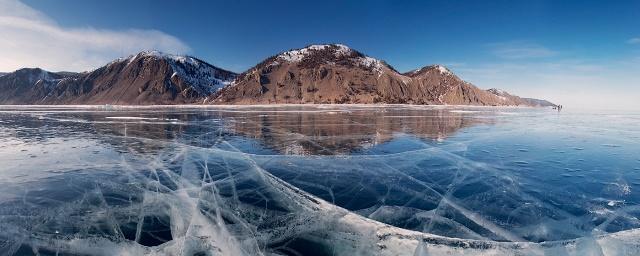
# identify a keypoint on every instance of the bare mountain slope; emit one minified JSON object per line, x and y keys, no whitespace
{"x":335,"y":73}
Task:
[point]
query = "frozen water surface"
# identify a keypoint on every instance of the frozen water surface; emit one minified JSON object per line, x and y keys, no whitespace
{"x":318,"y":180}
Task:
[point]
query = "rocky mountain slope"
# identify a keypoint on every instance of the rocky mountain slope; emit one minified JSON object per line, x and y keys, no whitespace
{"x":25,"y":85}
{"x":330,"y":73}
{"x":145,"y":78}
{"x":335,"y":73}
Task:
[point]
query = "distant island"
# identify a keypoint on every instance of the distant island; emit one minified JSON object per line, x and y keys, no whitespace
{"x":316,"y":74}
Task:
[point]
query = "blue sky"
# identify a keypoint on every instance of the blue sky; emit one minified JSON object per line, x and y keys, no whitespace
{"x":582,"y":53}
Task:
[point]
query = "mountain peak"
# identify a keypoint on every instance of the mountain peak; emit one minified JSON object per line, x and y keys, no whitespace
{"x":201,"y":76}
{"x":35,"y":74}
{"x":442,"y":69}
{"x":184,"y":59}
{"x":334,"y":54}
{"x":437,"y":68}
{"x":296,"y":55}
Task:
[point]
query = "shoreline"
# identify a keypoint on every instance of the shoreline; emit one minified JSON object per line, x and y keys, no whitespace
{"x":105,"y":106}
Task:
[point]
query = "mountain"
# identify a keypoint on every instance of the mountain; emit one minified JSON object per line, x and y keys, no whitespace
{"x":538,"y":103}
{"x":335,"y":73}
{"x":315,"y":74}
{"x":24,"y":85}
{"x":146,"y":78}
{"x":520,"y":101}
{"x":329,"y":73}
{"x":438,"y":85}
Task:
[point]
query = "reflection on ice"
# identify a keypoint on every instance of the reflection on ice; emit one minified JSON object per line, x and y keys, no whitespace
{"x":315,"y":181}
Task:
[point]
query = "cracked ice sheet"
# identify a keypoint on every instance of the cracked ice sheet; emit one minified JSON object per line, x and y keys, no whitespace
{"x":188,"y":187}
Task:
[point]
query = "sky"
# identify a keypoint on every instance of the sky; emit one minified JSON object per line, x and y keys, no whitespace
{"x":582,"y":54}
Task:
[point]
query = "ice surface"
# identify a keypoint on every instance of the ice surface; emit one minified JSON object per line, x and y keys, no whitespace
{"x":317,"y":180}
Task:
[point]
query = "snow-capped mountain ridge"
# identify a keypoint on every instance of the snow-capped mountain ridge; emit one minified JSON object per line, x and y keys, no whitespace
{"x":329,"y":54}
{"x":437,"y":67}
{"x":185,"y":59}
{"x":297,"y":55}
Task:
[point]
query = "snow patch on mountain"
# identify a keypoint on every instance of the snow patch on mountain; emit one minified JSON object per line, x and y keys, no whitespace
{"x":338,"y":51}
{"x":443,"y":70}
{"x":176,"y":58}
{"x":502,"y":95}
{"x":439,"y":68}
{"x":497,"y":91}
{"x":300,"y":54}
{"x":371,"y":63}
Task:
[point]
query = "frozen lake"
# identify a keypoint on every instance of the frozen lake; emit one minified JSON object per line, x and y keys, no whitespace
{"x":318,"y":180}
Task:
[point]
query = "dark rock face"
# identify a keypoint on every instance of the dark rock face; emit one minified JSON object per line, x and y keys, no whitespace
{"x":146,"y":78}
{"x":338,"y":74}
{"x":26,"y":85}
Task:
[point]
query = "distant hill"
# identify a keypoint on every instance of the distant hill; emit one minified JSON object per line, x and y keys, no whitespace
{"x":330,"y":73}
{"x":538,"y":103}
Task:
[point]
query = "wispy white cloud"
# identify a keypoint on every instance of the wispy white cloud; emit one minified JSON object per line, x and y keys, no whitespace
{"x":635,"y":40}
{"x":520,"y":50}
{"x":31,"y":39}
